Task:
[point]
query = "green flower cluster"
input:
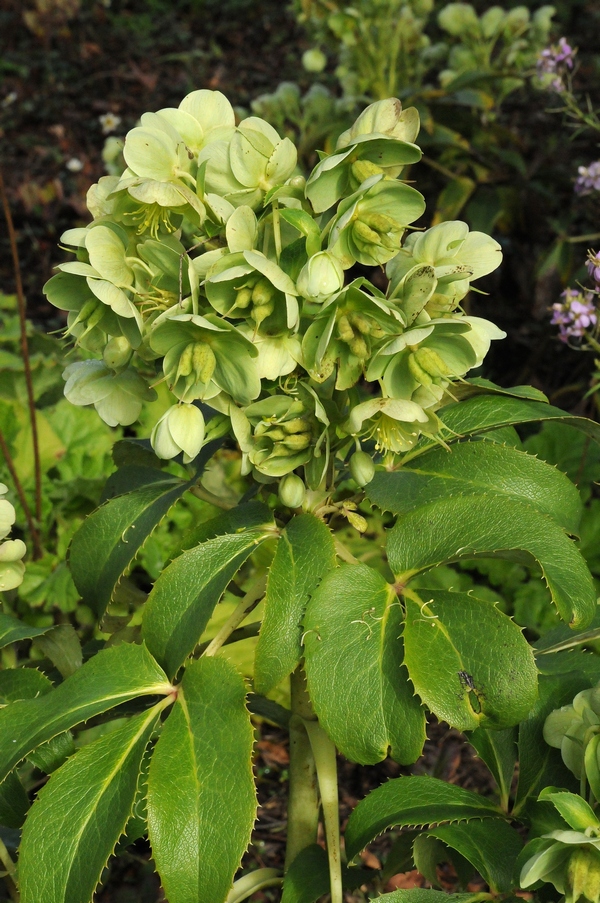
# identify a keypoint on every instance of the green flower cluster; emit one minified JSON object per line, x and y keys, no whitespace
{"x":12,"y":551}
{"x":213,"y":265}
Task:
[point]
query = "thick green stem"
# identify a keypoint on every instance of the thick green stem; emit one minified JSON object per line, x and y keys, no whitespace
{"x":9,"y":877}
{"x":303,"y":801}
{"x":325,"y":760}
{"x":248,"y":885}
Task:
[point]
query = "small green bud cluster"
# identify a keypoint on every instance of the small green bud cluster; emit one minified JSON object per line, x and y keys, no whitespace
{"x":213,"y":265}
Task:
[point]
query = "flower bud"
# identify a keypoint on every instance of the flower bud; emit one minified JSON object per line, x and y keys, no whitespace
{"x":292,"y":491}
{"x":321,"y":277}
{"x":314,"y":60}
{"x":180,"y":429}
{"x":362,"y":468}
{"x":117,"y":352}
{"x":12,"y":568}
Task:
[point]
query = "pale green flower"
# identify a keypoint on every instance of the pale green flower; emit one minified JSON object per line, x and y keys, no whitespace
{"x":204,"y":356}
{"x":180,"y":429}
{"x":277,"y":355}
{"x":395,"y":424}
{"x":12,"y":568}
{"x":370,"y":224}
{"x":7,"y":514}
{"x":567,"y":727}
{"x":320,"y":277}
{"x":118,"y":397}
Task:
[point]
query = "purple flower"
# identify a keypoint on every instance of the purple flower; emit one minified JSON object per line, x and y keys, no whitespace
{"x":553,"y":63}
{"x":588,"y":179}
{"x":593,"y":266}
{"x":576,"y":313}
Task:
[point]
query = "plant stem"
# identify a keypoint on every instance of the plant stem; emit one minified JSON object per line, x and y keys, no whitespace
{"x":249,"y":602}
{"x":35,"y":536}
{"x":325,"y":760}
{"x":24,"y":349}
{"x":303,"y":799}
{"x":6,"y":860}
{"x":201,"y":493}
{"x":276,"y":229}
{"x":249,"y":884}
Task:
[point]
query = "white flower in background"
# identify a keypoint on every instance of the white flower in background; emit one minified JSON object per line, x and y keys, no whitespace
{"x":12,"y":551}
{"x":74,"y":164}
{"x":109,"y":122}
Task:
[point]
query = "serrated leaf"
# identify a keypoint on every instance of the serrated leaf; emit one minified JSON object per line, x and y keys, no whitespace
{"x":61,"y":645}
{"x":353,"y":660}
{"x":22,"y":683}
{"x":80,"y":814}
{"x":498,"y":749}
{"x":54,"y":753}
{"x":491,"y":846}
{"x":474,"y":468}
{"x":305,"y":552}
{"x":113,"y":676}
{"x":109,"y":539}
{"x":184,"y":596}
{"x":484,"y":412}
{"x":409,"y":802}
{"x":12,"y":630}
{"x":455,"y":528}
{"x":469,"y":662}
{"x":242,"y":517}
{"x":201,"y":796}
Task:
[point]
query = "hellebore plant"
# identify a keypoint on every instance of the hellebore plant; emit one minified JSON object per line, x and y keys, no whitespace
{"x":214,"y":271}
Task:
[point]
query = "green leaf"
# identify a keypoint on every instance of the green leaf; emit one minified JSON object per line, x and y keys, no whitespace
{"x":307,"y":879}
{"x":305,"y":552}
{"x":491,"y":846}
{"x":14,"y":803}
{"x":242,"y":517}
{"x":22,"y":683}
{"x":469,"y":663}
{"x":54,"y":753}
{"x":109,"y":539}
{"x":61,"y":645}
{"x":201,"y":783}
{"x":184,"y":596}
{"x":353,"y":660}
{"x":453,"y":198}
{"x":475,"y":468}
{"x":113,"y":676}
{"x":12,"y":630}
{"x":498,"y":749}
{"x":80,"y":814}
{"x":484,"y":412}
{"x":455,"y":528}
{"x":409,"y":802}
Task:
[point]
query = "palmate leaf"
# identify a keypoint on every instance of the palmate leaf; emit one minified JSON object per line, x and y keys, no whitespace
{"x":454,"y":528}
{"x":353,"y":659}
{"x":469,"y":662}
{"x":476,"y":468}
{"x":498,"y":749}
{"x":115,"y":675}
{"x":14,"y":802}
{"x":201,"y":796}
{"x":305,"y":552}
{"x":409,"y":802}
{"x":109,"y":539}
{"x":80,"y":814}
{"x":184,"y":596}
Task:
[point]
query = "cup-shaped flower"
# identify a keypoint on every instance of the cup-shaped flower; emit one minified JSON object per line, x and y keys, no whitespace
{"x":12,"y":568}
{"x":249,"y":286}
{"x":204,"y":356}
{"x":279,"y":433}
{"x":370,"y":224}
{"x":321,"y":277}
{"x":254,"y":161}
{"x":421,"y":362}
{"x":118,"y":397}
{"x":457,"y":256}
{"x":180,"y":429}
{"x":394,"y":423}
{"x":381,"y":142}
{"x":277,"y":355}
{"x":345,"y":333}
{"x":201,"y":118}
{"x":567,"y":728}
{"x":7,"y":513}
